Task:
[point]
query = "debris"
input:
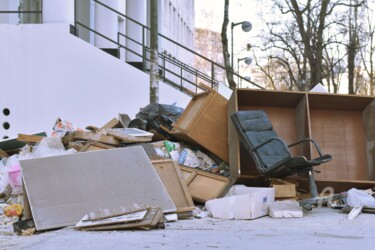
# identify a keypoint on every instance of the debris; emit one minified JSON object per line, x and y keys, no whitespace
{"x":13,"y":210}
{"x":93,"y":146}
{"x":283,"y":189}
{"x":247,"y":203}
{"x":24,"y":227}
{"x":170,"y":217}
{"x":204,"y":123}
{"x":171,"y":176}
{"x":205,"y":186}
{"x":89,"y":177}
{"x":357,"y":199}
{"x":153,"y":216}
{"x":85,"y":222}
{"x":285,"y":209}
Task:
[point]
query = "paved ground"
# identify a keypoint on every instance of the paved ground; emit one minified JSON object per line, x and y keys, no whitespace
{"x":322,"y":228}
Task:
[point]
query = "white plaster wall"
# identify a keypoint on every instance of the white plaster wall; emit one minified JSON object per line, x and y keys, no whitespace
{"x":57,"y":11}
{"x":47,"y":73}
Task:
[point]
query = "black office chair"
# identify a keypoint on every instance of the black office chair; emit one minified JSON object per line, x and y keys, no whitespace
{"x":271,"y":153}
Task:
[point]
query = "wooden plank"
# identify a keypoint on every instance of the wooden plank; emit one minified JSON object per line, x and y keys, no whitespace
{"x":82,"y":182}
{"x":170,"y":174}
{"x":152,"y":217}
{"x":91,"y":136}
{"x":93,"y":146}
{"x":129,"y":135}
{"x":85,"y":222}
{"x":205,"y":186}
{"x":113,"y":123}
{"x":29,"y":138}
{"x":3,"y":153}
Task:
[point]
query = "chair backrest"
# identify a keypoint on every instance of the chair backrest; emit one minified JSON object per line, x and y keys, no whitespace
{"x":254,"y":128}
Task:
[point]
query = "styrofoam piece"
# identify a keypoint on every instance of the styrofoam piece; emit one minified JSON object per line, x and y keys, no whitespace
{"x":285,"y":209}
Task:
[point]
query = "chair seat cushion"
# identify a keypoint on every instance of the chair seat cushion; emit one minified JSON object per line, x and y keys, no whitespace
{"x":273,"y":153}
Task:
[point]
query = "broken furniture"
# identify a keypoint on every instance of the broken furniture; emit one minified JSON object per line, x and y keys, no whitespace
{"x":271,"y":153}
{"x":204,"y":186}
{"x":342,"y":124}
{"x":204,"y":123}
{"x":171,"y":176}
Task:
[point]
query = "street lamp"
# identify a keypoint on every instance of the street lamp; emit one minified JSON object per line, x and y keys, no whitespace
{"x":247,"y":60}
{"x":246,"y":27}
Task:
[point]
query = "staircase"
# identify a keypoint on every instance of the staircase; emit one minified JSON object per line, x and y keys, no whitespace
{"x":172,"y":71}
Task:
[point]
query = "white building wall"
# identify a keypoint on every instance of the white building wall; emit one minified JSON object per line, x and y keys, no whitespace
{"x":48,"y":73}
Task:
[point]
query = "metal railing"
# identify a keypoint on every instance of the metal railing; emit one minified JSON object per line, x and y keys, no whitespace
{"x":173,"y":71}
{"x":37,"y":14}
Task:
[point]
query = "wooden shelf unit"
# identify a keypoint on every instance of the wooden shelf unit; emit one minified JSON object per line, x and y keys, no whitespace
{"x":343,"y":125}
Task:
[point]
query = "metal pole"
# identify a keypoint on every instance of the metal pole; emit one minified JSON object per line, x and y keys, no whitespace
{"x":154,"y":66}
{"x":231,"y":36}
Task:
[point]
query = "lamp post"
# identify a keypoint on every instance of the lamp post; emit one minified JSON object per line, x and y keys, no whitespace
{"x":247,"y":60}
{"x":246,"y":27}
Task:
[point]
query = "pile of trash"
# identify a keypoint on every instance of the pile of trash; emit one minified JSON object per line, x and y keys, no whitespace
{"x":134,"y":174}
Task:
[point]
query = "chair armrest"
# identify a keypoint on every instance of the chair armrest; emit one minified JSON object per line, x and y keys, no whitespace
{"x":268,"y":141}
{"x":308,"y":140}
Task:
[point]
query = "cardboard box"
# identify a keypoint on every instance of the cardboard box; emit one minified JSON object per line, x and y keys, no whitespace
{"x":283,"y":189}
{"x":242,"y":203}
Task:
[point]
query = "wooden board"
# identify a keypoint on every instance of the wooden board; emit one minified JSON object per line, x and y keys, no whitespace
{"x":91,"y":136}
{"x":61,"y":189}
{"x":129,"y":135}
{"x":126,"y":218}
{"x":93,"y":146}
{"x":29,"y":138}
{"x":205,"y":186}
{"x":171,"y":176}
{"x":153,"y":216}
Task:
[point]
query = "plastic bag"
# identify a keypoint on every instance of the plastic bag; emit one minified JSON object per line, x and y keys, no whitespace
{"x":358,"y":198}
{"x":189,"y":159}
{"x":50,"y":146}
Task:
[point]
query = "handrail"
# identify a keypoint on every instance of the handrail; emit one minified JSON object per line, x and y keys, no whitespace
{"x":183,"y":67}
{"x":161,"y":56}
{"x":26,"y":11}
{"x":176,"y":62}
{"x":179,"y":45}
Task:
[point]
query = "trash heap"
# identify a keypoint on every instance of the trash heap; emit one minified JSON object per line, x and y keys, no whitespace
{"x":140,"y":173}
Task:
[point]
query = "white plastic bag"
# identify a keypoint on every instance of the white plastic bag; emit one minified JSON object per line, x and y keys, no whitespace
{"x":358,"y":198}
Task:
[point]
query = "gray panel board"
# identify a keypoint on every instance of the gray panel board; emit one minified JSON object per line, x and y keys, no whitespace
{"x":62,"y":189}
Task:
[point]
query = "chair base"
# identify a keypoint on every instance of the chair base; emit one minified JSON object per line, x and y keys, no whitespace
{"x":307,"y":204}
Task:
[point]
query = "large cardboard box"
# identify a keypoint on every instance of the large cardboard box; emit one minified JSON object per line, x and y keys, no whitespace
{"x":242,"y":203}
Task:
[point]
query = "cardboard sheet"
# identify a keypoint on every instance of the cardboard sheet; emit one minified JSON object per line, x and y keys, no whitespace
{"x":62,"y":189}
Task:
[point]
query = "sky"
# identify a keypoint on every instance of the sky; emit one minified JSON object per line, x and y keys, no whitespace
{"x":209,"y":14}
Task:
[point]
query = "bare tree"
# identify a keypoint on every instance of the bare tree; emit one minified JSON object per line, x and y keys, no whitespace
{"x":224,"y":39}
{"x":368,"y":52}
{"x":299,"y":41}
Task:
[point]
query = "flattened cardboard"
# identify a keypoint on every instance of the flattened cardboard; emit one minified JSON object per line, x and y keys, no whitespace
{"x":153,"y":216}
{"x":62,"y":189}
{"x":132,"y":217}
